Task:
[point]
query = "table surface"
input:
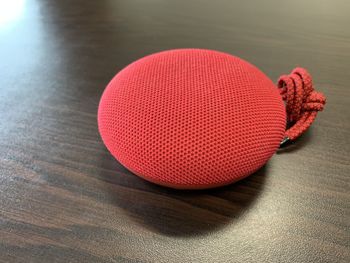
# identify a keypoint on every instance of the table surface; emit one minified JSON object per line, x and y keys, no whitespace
{"x":64,"y":198}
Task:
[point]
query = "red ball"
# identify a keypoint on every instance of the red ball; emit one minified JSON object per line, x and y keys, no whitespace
{"x":191,"y":118}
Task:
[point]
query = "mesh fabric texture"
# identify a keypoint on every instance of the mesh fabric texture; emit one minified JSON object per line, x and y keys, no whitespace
{"x":191,"y":118}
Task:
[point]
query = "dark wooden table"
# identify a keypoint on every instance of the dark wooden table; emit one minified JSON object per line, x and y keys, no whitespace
{"x":64,"y":198}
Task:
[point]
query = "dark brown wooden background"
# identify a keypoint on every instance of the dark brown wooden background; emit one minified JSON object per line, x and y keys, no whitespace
{"x":63,"y":198}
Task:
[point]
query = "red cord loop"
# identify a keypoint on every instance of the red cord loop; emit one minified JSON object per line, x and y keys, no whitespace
{"x":302,"y":101}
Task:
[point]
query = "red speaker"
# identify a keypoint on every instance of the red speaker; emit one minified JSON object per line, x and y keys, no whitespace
{"x":194,"y":119}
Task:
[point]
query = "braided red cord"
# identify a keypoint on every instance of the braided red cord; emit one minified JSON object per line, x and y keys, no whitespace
{"x":302,"y":101}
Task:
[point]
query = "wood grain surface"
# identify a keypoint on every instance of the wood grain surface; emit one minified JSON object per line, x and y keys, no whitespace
{"x":64,"y":198}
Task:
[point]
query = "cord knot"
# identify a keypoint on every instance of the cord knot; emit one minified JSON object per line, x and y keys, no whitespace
{"x":302,"y":101}
{"x":315,"y":102}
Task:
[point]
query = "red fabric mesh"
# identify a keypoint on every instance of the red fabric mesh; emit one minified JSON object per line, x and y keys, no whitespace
{"x":191,"y":118}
